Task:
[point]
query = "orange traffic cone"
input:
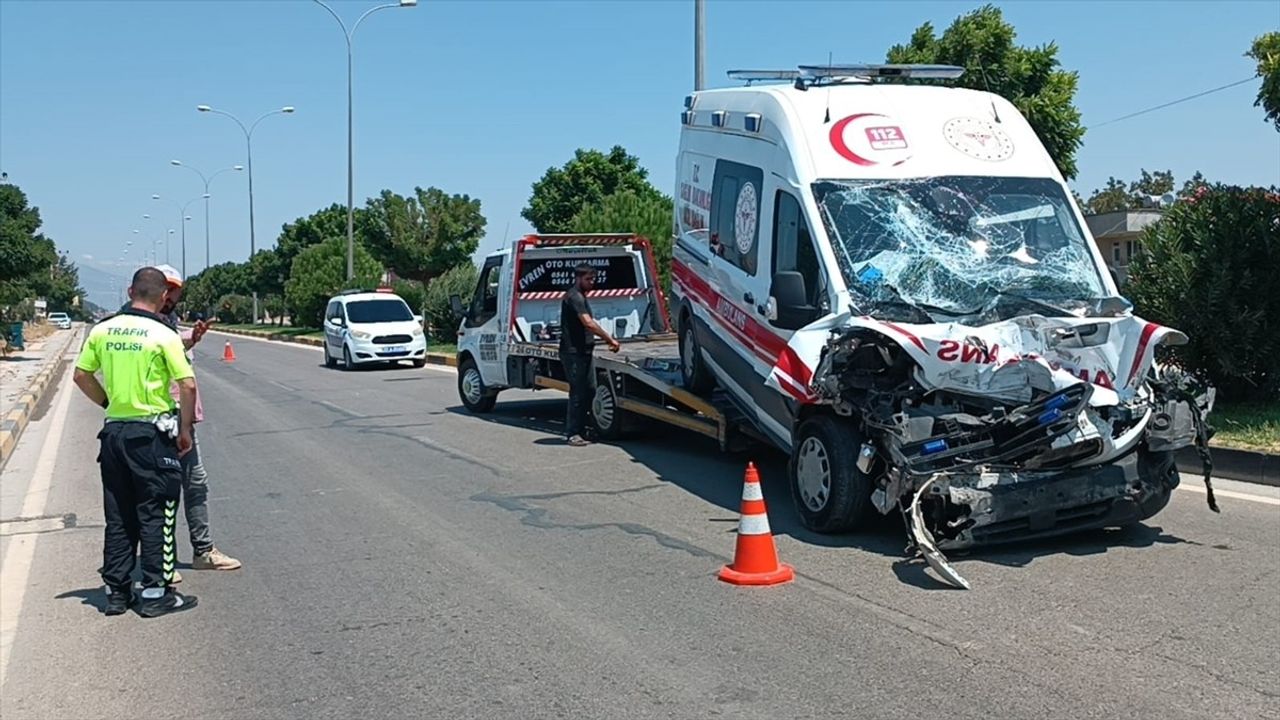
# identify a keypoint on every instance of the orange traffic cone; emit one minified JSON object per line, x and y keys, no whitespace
{"x":228,"y":355}
{"x":755,"y":561}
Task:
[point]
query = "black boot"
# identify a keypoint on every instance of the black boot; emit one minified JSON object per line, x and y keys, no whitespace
{"x":118,"y":600}
{"x":171,"y":602}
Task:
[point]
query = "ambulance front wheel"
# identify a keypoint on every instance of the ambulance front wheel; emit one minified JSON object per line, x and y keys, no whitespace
{"x":831,"y":494}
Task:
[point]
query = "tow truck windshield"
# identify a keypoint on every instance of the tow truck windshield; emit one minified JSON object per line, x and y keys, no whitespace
{"x":944,"y":248}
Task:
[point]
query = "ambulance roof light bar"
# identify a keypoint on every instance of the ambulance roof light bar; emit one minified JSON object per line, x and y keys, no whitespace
{"x":924,"y":72}
{"x":816,"y":74}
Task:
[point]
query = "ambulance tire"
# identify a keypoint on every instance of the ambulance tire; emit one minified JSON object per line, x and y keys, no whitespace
{"x":471,"y":389}
{"x":694,"y":373}
{"x":831,"y":494}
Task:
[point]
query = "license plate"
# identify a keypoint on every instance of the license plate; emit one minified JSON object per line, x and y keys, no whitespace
{"x":394,"y":348}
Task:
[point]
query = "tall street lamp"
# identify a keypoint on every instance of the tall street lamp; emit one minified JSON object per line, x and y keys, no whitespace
{"x":248,"y":144}
{"x":350,"y":154}
{"x":207,"y":180}
{"x":183,"y":217}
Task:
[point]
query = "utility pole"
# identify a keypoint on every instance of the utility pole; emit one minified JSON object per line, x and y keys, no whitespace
{"x":699,"y":44}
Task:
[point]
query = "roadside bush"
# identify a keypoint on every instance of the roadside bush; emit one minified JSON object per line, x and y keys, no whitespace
{"x":235,"y":309}
{"x":413,"y":293}
{"x":273,"y":305}
{"x":442,"y":327}
{"x":319,"y":272}
{"x":1211,"y":268}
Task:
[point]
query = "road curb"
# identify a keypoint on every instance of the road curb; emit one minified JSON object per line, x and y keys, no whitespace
{"x":444,"y":359}
{"x":16,"y":420}
{"x":1232,"y":464}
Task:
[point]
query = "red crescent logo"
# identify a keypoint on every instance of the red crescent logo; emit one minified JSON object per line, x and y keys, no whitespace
{"x":842,"y":148}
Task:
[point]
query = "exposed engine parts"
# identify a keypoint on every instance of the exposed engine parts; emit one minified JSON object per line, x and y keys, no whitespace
{"x":976,"y":467}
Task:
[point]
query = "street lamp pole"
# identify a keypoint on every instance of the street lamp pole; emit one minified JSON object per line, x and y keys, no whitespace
{"x":206,"y":180}
{"x":349,"y":34}
{"x":248,"y":144}
{"x":183,"y":217}
{"x":699,"y":45}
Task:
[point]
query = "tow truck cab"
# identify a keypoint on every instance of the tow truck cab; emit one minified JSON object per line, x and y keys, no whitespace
{"x":893,"y":283}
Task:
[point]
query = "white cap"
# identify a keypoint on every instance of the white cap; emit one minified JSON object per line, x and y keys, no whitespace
{"x":171,"y":275}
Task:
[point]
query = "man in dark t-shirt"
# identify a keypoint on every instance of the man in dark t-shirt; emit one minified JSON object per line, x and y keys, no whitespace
{"x":578,"y":331}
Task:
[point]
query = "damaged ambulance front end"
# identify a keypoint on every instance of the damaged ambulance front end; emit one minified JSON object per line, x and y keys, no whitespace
{"x":1002,"y":389}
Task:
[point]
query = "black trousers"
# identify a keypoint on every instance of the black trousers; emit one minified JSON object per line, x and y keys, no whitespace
{"x":141,"y":482}
{"x":577,"y":370}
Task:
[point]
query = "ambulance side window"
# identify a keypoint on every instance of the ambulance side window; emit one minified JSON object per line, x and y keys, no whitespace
{"x":735,"y":214}
{"x":793,"y":247}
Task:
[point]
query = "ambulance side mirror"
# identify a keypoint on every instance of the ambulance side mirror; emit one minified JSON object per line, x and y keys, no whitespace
{"x":791,"y":300}
{"x":455,"y":304}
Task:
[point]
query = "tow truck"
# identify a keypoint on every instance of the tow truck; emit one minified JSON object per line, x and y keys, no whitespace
{"x":509,"y":336}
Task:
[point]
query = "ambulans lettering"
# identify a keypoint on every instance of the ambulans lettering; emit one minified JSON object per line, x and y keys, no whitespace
{"x":729,"y":312}
{"x":956,"y":351}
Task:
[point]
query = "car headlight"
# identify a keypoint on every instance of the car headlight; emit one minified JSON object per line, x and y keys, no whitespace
{"x":417,"y":332}
{"x":360,"y":335}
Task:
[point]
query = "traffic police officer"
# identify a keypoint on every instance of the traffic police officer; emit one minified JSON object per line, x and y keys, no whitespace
{"x":141,"y":443}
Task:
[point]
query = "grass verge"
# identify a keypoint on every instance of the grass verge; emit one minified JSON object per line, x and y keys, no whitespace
{"x":1247,"y":426}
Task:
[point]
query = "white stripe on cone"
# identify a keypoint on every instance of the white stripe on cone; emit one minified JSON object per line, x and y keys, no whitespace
{"x":754,"y":525}
{"x":751,"y":491}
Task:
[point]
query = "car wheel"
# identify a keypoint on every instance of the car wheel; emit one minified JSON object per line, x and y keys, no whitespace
{"x":608,"y":418}
{"x":329,"y":362}
{"x":347,"y":363}
{"x":831,"y":494}
{"x":471,"y":389}
{"x":419,"y":363}
{"x":694,"y":373}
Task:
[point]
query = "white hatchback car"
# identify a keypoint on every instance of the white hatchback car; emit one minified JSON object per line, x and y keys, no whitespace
{"x":372,"y":327}
{"x":60,"y":320}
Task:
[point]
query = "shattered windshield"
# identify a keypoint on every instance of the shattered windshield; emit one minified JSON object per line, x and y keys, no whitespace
{"x":947,"y":247}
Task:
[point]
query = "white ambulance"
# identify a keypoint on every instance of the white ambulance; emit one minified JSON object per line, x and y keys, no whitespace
{"x":890,"y":279}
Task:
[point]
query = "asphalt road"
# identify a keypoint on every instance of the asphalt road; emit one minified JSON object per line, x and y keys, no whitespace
{"x":405,"y":559}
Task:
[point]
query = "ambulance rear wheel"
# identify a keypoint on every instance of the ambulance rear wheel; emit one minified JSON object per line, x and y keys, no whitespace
{"x":694,"y":373}
{"x":471,"y":390}
{"x":831,"y":494}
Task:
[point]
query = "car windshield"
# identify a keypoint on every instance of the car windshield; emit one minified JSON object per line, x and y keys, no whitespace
{"x":947,"y":247}
{"x":58,"y":316}
{"x":378,"y":311}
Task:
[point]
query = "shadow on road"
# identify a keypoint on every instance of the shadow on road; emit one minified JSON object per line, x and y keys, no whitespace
{"x":692,"y":463}
{"x":93,"y":597}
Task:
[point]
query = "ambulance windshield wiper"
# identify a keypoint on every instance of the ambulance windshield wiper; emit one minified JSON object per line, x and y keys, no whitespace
{"x":1053,"y":310}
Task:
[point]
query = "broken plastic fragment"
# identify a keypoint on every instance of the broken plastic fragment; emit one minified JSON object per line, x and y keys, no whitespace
{"x":924,"y":543}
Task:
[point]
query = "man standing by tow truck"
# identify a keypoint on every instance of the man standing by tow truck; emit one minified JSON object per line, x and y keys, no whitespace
{"x":142,"y":442}
{"x":578,"y":331}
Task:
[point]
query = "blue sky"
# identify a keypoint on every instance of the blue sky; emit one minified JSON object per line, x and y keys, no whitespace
{"x":481,"y":97}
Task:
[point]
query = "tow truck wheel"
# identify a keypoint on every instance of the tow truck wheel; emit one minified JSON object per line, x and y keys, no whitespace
{"x":471,"y":388}
{"x":605,"y":413}
{"x":831,"y":494}
{"x":693,"y":372}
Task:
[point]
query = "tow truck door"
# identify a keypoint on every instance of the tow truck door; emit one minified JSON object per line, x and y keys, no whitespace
{"x":484,"y":322}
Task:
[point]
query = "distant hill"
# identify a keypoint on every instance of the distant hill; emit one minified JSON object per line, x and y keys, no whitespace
{"x":102,"y":288}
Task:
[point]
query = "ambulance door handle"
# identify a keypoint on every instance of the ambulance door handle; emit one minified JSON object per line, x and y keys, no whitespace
{"x":749,"y":299}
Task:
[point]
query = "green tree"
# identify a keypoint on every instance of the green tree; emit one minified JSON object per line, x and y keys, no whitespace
{"x":1112,"y":197}
{"x":588,"y":178}
{"x":272,"y":271}
{"x":424,"y":235}
{"x":203,"y":291}
{"x":30,"y":264}
{"x":1115,"y":195}
{"x":1266,"y":52}
{"x":437,"y":310}
{"x":235,"y":309}
{"x":1211,"y":268}
{"x":648,"y":214}
{"x":1029,"y":77}
{"x":320,"y":272}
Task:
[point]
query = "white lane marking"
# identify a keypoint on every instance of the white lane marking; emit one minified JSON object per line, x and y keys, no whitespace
{"x":22,"y":549}
{"x":428,"y":366}
{"x":1230,"y":494}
